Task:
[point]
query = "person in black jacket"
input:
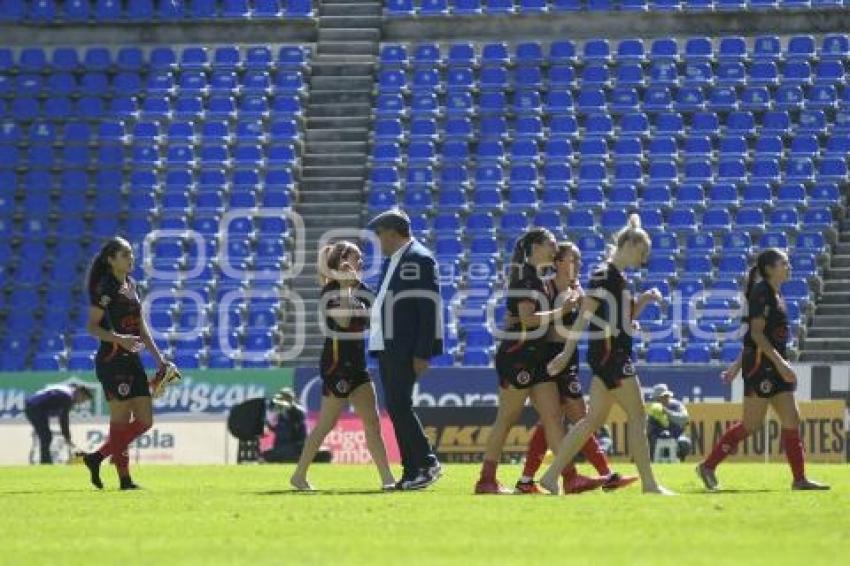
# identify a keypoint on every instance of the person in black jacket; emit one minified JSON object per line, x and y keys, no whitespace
{"x":54,"y":401}
{"x":406,"y":331}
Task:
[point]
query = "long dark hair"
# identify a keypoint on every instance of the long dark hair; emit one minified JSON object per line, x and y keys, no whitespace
{"x":523,"y":249}
{"x":765,"y":259}
{"x":100,"y":264}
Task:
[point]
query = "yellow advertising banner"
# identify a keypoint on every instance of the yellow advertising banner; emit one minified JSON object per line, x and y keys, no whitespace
{"x":822,"y":431}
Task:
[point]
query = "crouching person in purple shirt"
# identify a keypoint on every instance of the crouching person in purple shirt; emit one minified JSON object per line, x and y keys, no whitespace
{"x":54,"y":401}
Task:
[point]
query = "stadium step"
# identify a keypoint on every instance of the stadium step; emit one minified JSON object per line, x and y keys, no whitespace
{"x":335,"y":83}
{"x":342,"y":69}
{"x":833,"y":309}
{"x":345,"y":22}
{"x":342,"y":134}
{"x":337,"y":122}
{"x":316,"y":160}
{"x":835,"y":298}
{"x":335,"y":109}
{"x":824,"y":356}
{"x":335,"y":170}
{"x":829,"y":332}
{"x":338,"y":148}
{"x":833,"y":285}
{"x":350,"y":9}
{"x":352,"y":35}
{"x":839,"y":261}
{"x":334,"y":198}
{"x":837,"y":273}
{"x":349,"y":47}
{"x":331,"y":183}
{"x":828,"y":343}
{"x":828,"y":321}
{"x":340,"y":97}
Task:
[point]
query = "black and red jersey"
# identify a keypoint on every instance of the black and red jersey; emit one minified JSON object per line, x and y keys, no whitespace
{"x":765,"y":302}
{"x":120,"y":301}
{"x":345,"y":348}
{"x":614,"y":310}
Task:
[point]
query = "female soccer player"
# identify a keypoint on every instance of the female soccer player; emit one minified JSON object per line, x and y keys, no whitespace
{"x":520,"y":359}
{"x":768,"y":377}
{"x":609,"y":308}
{"x":566,"y":286}
{"x":115,"y":317}
{"x":343,"y":364}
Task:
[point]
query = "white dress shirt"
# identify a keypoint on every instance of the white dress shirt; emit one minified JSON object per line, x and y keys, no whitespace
{"x":376,"y":331}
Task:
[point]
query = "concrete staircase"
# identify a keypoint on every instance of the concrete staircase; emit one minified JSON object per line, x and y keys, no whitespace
{"x":827,"y":337}
{"x":336,"y":149}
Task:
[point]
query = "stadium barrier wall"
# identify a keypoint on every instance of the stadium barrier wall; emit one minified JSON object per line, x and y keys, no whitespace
{"x":201,"y":392}
{"x":459,"y":434}
{"x":172,"y":440}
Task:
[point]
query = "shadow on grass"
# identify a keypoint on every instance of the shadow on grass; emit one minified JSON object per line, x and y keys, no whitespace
{"x":49,"y":491}
{"x":323,"y":492}
{"x":730,"y":491}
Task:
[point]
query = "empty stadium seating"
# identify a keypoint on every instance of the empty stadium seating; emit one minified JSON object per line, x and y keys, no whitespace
{"x":112,"y":11}
{"x":102,"y":141}
{"x":745,"y":137}
{"x":432,"y":8}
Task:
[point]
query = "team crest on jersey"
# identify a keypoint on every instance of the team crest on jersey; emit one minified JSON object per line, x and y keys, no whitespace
{"x":765,"y":386}
{"x":575,"y":387}
{"x":628,"y":368}
{"x":104,"y":300}
{"x":342,"y":386}
{"x":523,"y":377}
{"x":123,"y":389}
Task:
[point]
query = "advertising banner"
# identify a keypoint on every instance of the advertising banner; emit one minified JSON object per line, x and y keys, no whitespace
{"x":196,"y":441}
{"x":347,"y":440}
{"x":201,"y":392}
{"x":460,"y":434}
{"x":473,"y":387}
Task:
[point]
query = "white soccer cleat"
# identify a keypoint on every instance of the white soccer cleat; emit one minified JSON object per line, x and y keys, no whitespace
{"x":165,"y":376}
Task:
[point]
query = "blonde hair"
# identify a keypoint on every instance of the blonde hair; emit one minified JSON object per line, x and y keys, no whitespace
{"x":330,"y":258}
{"x":630,"y":233}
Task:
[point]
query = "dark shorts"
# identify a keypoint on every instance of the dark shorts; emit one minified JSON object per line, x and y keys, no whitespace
{"x":341,"y":385}
{"x":522,"y":367}
{"x":569,"y":386}
{"x":760,"y":376}
{"x":122,"y":376}
{"x":611,"y":366}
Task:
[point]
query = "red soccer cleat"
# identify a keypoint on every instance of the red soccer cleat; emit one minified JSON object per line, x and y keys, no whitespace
{"x":616,"y":481}
{"x":490,"y":488}
{"x":579,"y":484}
{"x":527,"y":488}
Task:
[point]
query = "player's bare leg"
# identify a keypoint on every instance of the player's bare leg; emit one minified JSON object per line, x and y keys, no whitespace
{"x":328,"y":416}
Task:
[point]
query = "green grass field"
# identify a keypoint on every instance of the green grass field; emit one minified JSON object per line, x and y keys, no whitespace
{"x":247,"y":515}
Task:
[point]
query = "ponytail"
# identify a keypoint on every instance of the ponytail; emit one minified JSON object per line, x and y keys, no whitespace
{"x":752,"y":276}
{"x":631,"y":232}
{"x":758,"y":271}
{"x":100,"y":264}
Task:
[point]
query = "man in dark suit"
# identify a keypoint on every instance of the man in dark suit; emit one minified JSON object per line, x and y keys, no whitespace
{"x":406,"y":330}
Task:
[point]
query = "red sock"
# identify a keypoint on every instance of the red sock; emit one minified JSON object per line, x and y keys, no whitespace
{"x":488,"y":471}
{"x":116,"y":433}
{"x":794,"y":452}
{"x":122,"y":463}
{"x":596,"y":456}
{"x":730,"y":439}
{"x":120,"y":436}
{"x":569,"y":473}
{"x":536,"y":452}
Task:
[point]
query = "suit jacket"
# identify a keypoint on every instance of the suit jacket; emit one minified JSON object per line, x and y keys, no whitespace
{"x":415,"y":328}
